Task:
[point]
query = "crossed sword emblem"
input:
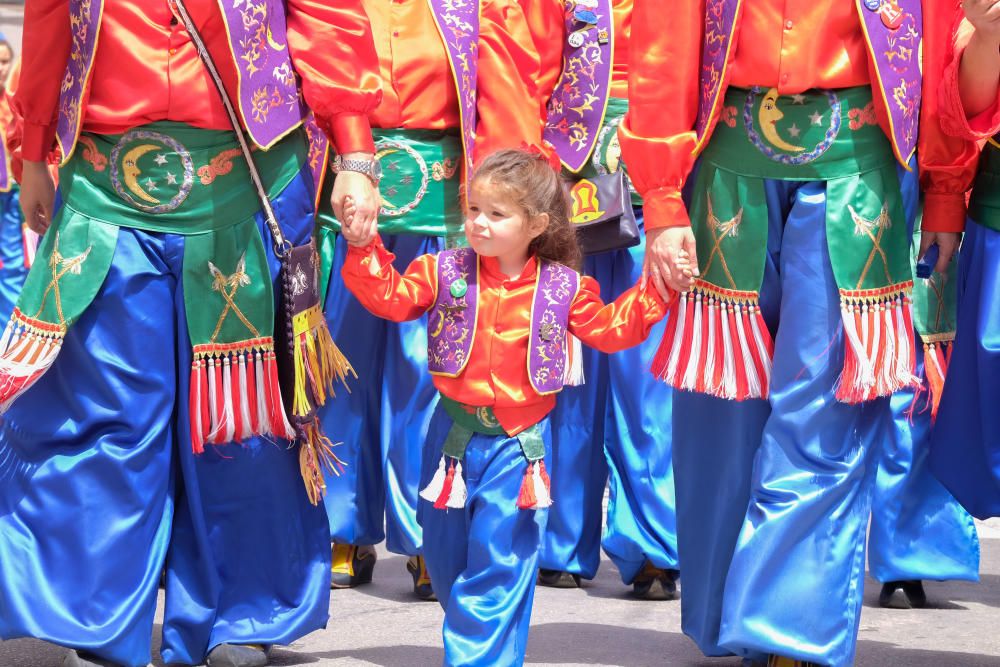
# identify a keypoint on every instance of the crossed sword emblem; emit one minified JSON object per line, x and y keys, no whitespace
{"x":60,"y":266}
{"x":864,"y":226}
{"x":721,"y":230}
{"x":227,"y":286}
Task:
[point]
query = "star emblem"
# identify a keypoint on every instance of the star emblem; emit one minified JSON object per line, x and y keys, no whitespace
{"x":161,"y":159}
{"x":798,"y":99}
{"x":816,"y":118}
{"x":794,"y":131}
{"x":406,"y":180}
{"x":393,"y":165}
{"x":150,"y":184}
{"x":171,"y":179}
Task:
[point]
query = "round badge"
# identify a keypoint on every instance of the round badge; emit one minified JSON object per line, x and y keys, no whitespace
{"x":459,"y":288}
{"x":576,"y":40}
{"x":873,"y":5}
{"x":585,"y":16}
{"x":405,"y":177}
{"x":152,"y":172}
{"x":892,"y":15}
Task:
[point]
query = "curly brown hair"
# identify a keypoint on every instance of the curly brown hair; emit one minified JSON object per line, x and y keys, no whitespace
{"x":532,"y":184}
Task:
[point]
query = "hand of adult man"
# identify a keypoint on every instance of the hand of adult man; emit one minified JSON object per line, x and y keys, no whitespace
{"x":38,"y":194}
{"x":671,"y":259}
{"x":363,"y":194}
{"x":947,"y":243}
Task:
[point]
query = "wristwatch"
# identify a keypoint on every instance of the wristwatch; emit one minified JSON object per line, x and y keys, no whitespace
{"x":371,"y":168}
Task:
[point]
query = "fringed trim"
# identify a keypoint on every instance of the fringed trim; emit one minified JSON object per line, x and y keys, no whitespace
{"x":536,"y":491}
{"x":316,"y":458}
{"x":447,"y":488}
{"x":879,"y":353}
{"x":235,"y":394}
{"x":716,"y":343}
{"x":937,"y":357}
{"x":573,"y":376}
{"x":318,"y":361}
{"x":27,"y":349}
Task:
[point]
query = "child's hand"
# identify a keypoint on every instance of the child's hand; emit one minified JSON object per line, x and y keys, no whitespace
{"x":354,"y":232}
{"x":984,"y":15}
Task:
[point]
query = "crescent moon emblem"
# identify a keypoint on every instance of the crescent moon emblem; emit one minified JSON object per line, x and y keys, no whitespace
{"x":483,"y":415}
{"x":769,"y":115}
{"x":131,"y":171}
{"x":439,"y":328}
{"x":273,"y":44}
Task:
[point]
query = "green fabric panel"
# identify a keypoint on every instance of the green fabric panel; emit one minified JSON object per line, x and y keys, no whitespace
{"x":729,"y":217}
{"x":421,"y":175}
{"x":456,"y":441}
{"x":228,"y":293}
{"x":326,"y":246}
{"x":935,"y":299}
{"x":71,"y":264}
{"x":866,"y":230}
{"x":797,"y":137}
{"x":173,"y":178}
{"x":531,"y":443}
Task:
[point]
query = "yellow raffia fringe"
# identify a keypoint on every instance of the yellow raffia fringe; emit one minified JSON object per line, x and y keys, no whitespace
{"x":316,"y":456}
{"x":327,"y":364}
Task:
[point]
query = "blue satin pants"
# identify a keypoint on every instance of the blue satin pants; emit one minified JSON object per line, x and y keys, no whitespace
{"x":483,"y":559}
{"x":99,"y":487}
{"x":965,"y":444}
{"x":623,"y":407}
{"x":384,"y":418}
{"x":12,"y":269}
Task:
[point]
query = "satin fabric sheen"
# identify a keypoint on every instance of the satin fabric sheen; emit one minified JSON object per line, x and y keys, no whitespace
{"x":965,"y":444}
{"x":100,"y":488}
{"x":382,"y":421}
{"x":617,"y":422}
{"x":12,"y":269}
{"x":483,"y":558}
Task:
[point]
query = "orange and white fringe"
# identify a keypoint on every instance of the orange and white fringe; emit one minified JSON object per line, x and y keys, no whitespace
{"x":235,"y":394}
{"x":573,"y":376}
{"x":316,"y":456}
{"x":937,"y":358}
{"x":27,"y":349}
{"x":447,"y":488}
{"x":879,"y":353}
{"x":318,"y":361}
{"x":716,"y":343}
{"x":536,"y":488}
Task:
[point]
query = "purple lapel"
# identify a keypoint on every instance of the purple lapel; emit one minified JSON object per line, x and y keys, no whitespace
{"x":451,"y":322}
{"x":318,"y":154}
{"x":85,"y":23}
{"x":580,"y":99}
{"x":554,"y":294}
{"x":721,"y":20}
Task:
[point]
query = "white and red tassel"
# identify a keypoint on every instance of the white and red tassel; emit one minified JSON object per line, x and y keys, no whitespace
{"x":447,"y":488}
{"x":573,"y":376}
{"x":536,"y":491}
{"x":27,"y":349}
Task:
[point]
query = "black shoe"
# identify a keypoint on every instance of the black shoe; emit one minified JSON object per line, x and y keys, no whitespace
{"x":352,"y":565}
{"x":778,"y":661}
{"x":655,"y":583}
{"x":86,"y":659}
{"x":238,"y":655}
{"x":558,"y":579}
{"x":902,"y":595}
{"x":421,"y":580}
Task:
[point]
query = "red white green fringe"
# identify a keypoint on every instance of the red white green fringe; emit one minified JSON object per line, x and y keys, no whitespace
{"x":879,"y":353}
{"x":447,"y":488}
{"x":235,"y":394}
{"x":716,"y":343}
{"x":27,"y":349}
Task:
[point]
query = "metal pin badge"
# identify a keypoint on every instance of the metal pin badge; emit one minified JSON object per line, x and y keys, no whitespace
{"x":576,"y":39}
{"x":459,"y":288}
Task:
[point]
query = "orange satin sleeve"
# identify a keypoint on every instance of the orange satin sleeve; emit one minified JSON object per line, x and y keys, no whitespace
{"x":331,"y":47}
{"x":418,"y":85}
{"x":657,"y":136}
{"x":947,"y":164}
{"x":369,"y":275}
{"x":46,"y":42}
{"x":796,"y":45}
{"x":510,"y":69}
{"x":622,"y":11}
{"x":953,"y":117}
{"x":621,"y":324}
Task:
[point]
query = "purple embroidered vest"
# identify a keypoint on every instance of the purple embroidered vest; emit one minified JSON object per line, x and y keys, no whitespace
{"x":894,"y":51}
{"x":318,"y":155}
{"x":268,"y":91}
{"x":458,"y":23}
{"x":452,"y":319}
{"x":580,"y":99}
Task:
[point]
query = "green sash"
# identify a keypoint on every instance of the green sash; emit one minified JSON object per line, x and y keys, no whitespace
{"x":447,"y":488}
{"x":170,"y":178}
{"x":718,"y":343}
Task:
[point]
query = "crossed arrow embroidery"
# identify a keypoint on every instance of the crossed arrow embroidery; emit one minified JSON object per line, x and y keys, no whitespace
{"x":60,"y":266}
{"x":863,"y":227}
{"x":227,"y":286}
{"x":721,"y":230}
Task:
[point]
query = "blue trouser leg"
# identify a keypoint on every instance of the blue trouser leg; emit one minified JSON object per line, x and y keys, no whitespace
{"x":578,"y":468}
{"x":12,"y":269}
{"x":918,"y":530}
{"x":483,"y":559}
{"x":99,"y":488}
{"x":642,"y":520}
{"x":796,"y":581}
{"x":382,"y":420}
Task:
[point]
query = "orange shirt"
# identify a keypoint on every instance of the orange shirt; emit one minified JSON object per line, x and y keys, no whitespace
{"x":820,"y":49}
{"x":419,"y":86}
{"x":497,"y":372}
{"x":953,"y":117}
{"x":147,"y":69}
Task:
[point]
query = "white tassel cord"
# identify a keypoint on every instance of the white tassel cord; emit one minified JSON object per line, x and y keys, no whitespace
{"x":904,"y":374}
{"x":573,"y":376}
{"x":542,"y":496}
{"x":729,"y":361}
{"x":757,"y":326}
{"x":458,"y":495}
{"x":690,"y":380}
{"x":865,"y":376}
{"x":708,"y":373}
{"x":675,"y":345}
{"x":229,"y":434}
{"x":263,"y":417}
{"x":433,"y":490}
{"x":749,"y":366}
{"x":213,"y":406}
{"x":246,"y":424}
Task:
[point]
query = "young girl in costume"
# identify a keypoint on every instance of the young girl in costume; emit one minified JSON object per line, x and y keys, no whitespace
{"x":502,"y":315}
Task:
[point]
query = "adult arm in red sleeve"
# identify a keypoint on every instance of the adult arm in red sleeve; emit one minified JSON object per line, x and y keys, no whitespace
{"x":947,"y":164}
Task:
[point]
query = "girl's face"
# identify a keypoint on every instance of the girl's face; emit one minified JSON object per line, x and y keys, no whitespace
{"x":497,"y":227}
